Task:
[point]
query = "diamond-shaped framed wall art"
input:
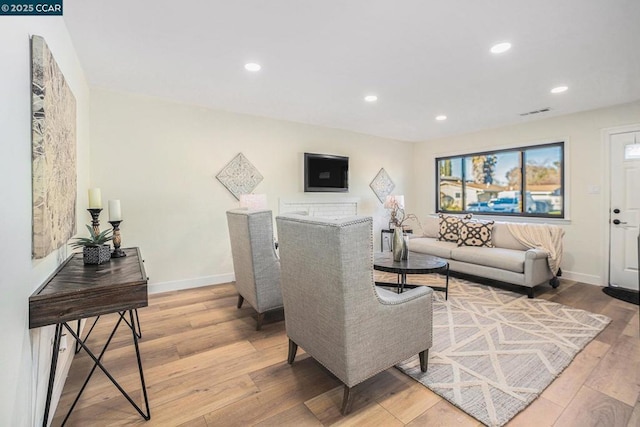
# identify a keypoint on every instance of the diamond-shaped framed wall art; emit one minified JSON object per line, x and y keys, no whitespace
{"x":239,"y":176}
{"x":382,"y":185}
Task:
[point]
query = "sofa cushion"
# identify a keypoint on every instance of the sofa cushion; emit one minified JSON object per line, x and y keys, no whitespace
{"x":450,"y":227}
{"x":431,"y":246}
{"x":505,"y":259}
{"x":475,"y":233}
{"x":431,"y":227}
{"x":502,"y":238}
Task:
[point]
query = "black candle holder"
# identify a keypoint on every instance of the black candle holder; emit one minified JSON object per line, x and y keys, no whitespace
{"x":117,"y":240}
{"x":95,"y":219}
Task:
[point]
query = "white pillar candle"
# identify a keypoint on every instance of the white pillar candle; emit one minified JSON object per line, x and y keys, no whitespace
{"x":95,"y":198}
{"x":114,"y":210}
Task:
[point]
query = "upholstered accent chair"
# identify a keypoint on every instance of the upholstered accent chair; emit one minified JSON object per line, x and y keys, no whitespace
{"x":256,"y":265}
{"x":334,"y":310}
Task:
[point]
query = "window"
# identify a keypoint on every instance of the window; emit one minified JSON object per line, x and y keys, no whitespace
{"x":527,"y":181}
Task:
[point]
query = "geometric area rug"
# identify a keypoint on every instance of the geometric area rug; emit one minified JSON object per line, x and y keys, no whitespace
{"x":495,"y":351}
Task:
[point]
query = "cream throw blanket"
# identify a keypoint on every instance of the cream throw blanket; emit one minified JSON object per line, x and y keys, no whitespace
{"x":541,"y":236}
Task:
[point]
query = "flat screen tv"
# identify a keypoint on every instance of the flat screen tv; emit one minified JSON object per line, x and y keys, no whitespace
{"x":324,"y":172}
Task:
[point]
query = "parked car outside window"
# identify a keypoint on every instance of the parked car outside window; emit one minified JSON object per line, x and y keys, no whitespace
{"x":504,"y":204}
{"x":478,"y":207}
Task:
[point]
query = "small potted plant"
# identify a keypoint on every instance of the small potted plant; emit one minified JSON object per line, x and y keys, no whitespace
{"x":94,"y":248}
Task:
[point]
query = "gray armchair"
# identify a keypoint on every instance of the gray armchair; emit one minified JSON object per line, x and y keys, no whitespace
{"x":334,"y":310}
{"x":256,"y":265}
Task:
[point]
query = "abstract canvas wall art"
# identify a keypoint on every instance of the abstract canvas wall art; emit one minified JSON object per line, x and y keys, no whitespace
{"x":54,"y":153}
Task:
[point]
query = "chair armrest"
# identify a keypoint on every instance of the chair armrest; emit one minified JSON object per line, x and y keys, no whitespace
{"x":387,"y":297}
{"x":403,"y":323}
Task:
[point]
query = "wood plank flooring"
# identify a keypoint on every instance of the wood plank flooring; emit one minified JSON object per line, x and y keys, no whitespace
{"x":205,"y":365}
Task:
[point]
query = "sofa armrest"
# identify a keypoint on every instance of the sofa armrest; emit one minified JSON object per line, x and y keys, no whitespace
{"x":536,"y":254}
{"x":536,"y":267}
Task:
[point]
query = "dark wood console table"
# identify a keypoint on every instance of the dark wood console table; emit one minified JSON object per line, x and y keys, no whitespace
{"x":76,"y":291}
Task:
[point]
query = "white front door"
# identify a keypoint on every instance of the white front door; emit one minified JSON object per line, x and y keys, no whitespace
{"x":624,"y":210}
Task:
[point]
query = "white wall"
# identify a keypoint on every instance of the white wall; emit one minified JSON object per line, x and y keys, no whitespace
{"x":161,"y":158}
{"x":25,"y":355}
{"x":585,"y":243}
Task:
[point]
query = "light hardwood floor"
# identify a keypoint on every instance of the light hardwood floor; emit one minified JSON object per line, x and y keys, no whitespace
{"x":205,"y":365}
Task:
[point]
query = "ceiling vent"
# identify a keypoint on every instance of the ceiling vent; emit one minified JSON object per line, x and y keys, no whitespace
{"x":542,"y":110}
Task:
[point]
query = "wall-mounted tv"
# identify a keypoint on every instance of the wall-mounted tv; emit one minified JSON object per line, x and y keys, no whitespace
{"x":324,"y":172}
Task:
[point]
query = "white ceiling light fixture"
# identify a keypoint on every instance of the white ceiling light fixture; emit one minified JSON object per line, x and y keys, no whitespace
{"x":500,"y":47}
{"x":441,"y":117}
{"x":559,"y":89}
{"x":371,"y":98}
{"x":252,"y":66}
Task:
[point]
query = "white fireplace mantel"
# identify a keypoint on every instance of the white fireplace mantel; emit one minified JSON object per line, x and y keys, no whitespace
{"x":327,"y":207}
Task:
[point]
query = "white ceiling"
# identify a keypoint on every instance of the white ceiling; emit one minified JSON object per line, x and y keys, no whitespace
{"x":321,"y":57}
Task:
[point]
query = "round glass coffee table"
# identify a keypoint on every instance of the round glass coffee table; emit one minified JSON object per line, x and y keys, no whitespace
{"x":415,"y":264}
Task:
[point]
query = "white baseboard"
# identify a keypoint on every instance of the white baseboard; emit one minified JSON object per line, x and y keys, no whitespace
{"x":197,"y":282}
{"x":219,"y":279}
{"x":584,"y":278}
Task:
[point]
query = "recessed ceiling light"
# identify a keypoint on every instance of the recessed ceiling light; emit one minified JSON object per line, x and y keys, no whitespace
{"x":441,"y":117}
{"x":252,"y":66}
{"x":559,"y":89}
{"x":500,"y":47}
{"x":371,"y":98}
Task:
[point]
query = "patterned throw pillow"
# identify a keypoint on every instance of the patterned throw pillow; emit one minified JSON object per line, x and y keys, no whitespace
{"x":450,"y":226}
{"x":476,"y":233}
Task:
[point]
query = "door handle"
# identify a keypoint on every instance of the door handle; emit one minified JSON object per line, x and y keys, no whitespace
{"x":618,"y":222}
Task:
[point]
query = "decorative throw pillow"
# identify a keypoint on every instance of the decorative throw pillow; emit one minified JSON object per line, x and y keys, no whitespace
{"x":450,"y":226}
{"x":476,"y":233}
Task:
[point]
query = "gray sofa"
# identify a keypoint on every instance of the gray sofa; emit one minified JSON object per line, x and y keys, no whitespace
{"x":508,"y":261}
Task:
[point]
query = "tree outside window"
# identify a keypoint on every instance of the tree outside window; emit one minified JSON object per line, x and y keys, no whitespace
{"x":523,"y":181}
